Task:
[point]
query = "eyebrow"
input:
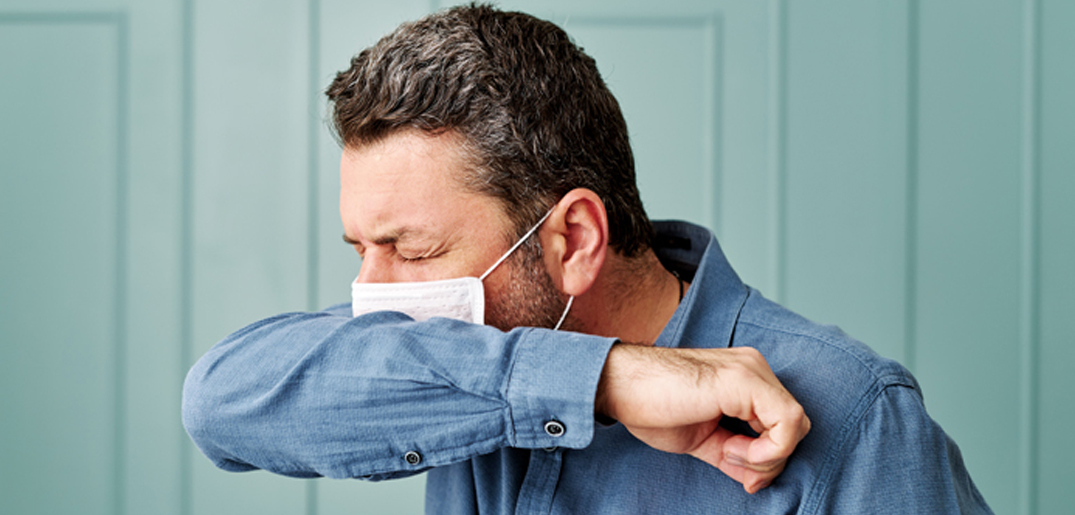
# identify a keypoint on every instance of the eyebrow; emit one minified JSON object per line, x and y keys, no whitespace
{"x":387,"y":239}
{"x":349,"y":241}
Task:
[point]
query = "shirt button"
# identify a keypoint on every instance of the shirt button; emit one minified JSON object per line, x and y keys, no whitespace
{"x":412,"y":458}
{"x":554,"y":428}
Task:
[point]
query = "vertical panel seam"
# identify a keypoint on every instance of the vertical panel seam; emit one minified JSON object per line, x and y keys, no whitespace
{"x":713,"y":105}
{"x":312,"y":185}
{"x":1030,"y":255}
{"x":313,"y":162}
{"x":778,"y":36}
{"x":186,"y":258}
{"x":911,"y":195}
{"x":122,"y":145}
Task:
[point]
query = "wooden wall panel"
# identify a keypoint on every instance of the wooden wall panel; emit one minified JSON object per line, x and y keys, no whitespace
{"x":156,"y":357}
{"x":750,"y":150}
{"x":661,"y":73}
{"x":969,"y":233}
{"x":847,"y":170}
{"x":249,"y":201}
{"x":61,"y":313}
{"x":1054,"y":413}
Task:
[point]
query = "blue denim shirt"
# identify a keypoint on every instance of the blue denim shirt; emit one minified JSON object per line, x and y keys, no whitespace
{"x":380,"y":396}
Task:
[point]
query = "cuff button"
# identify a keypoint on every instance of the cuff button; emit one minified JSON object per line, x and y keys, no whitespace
{"x":554,"y":428}
{"x":412,"y":458}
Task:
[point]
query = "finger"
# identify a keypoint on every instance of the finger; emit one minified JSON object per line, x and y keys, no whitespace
{"x":725,"y":450}
{"x":712,"y":449}
{"x":753,"y":480}
{"x":753,"y":476}
{"x":737,"y":449}
{"x":779,"y":439}
{"x":724,"y":446}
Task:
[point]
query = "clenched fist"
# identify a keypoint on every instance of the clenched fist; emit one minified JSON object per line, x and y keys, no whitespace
{"x":673,"y":400}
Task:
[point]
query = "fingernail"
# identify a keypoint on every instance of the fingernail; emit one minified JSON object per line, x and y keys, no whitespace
{"x":758,"y":487}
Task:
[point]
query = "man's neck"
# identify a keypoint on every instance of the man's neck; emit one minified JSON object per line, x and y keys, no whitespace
{"x":633,"y":299}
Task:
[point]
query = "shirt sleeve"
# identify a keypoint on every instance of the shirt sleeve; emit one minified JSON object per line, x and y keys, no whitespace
{"x":896,"y":459}
{"x":382,"y":396}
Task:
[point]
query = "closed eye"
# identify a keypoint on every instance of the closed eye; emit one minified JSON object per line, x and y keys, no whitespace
{"x":414,"y":257}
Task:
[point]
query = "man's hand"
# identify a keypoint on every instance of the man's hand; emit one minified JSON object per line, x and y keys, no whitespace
{"x":673,"y":399}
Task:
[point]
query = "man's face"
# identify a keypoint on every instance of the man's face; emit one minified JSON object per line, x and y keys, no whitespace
{"x":406,"y":212}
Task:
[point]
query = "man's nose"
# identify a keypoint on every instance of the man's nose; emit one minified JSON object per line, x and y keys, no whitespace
{"x":375,"y":269}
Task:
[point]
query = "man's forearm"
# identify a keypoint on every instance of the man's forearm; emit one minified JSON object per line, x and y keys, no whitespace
{"x":312,"y":394}
{"x":322,"y":394}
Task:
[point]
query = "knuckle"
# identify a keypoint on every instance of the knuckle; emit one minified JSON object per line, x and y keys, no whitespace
{"x":751,"y":354}
{"x":797,"y":413}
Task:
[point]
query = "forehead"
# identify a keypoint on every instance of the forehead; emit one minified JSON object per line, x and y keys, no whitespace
{"x":407,"y":160}
{"x":415,"y":181}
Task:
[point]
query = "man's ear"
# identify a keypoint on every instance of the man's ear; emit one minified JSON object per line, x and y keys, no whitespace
{"x":575,"y":241}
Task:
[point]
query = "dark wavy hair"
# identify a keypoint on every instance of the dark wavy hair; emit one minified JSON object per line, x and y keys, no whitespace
{"x":535,"y":118}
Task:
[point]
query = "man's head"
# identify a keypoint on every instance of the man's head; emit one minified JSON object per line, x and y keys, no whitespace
{"x":528,"y":110}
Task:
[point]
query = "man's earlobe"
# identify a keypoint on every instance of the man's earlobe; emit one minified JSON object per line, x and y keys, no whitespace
{"x":575,"y":240}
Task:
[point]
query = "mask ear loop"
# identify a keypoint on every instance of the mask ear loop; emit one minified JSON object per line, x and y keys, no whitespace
{"x":564,"y":316}
{"x":517,"y":244}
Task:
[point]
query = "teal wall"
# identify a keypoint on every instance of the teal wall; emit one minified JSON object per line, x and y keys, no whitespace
{"x":901,"y":169}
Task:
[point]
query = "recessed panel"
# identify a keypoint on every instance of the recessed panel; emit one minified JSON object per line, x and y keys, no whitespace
{"x":1056,"y":411}
{"x":656,"y":69}
{"x":249,"y":200}
{"x":970,"y":234}
{"x":58,"y":302}
{"x":847,"y":169}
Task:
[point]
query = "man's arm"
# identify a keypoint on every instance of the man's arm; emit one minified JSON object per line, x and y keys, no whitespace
{"x":309,"y":394}
{"x":325,"y":394}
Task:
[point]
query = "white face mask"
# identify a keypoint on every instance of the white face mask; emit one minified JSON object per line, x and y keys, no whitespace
{"x":462,"y":298}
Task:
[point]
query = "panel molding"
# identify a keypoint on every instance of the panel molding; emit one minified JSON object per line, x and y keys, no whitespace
{"x":910,"y":296}
{"x":777,"y":146}
{"x":313,"y":185}
{"x":118,"y":21}
{"x":1030,"y":269}
{"x":186,"y":238}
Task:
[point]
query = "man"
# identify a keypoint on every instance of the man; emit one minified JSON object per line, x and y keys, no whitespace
{"x":470,"y":131}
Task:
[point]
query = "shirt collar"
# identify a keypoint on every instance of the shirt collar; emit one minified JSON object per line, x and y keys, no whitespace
{"x":707,"y":314}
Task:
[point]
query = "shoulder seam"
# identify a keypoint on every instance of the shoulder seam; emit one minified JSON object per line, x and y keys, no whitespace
{"x":888,"y":377}
{"x":821,"y":485}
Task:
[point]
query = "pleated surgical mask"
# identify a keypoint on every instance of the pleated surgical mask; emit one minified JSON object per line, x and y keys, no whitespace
{"x":462,"y":298}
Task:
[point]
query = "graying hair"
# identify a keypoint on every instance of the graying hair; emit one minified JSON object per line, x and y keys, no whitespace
{"x":534,"y":117}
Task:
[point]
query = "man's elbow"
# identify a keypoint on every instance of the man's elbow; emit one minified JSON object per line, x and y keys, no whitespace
{"x":201,"y":418}
{"x":195,"y":412}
